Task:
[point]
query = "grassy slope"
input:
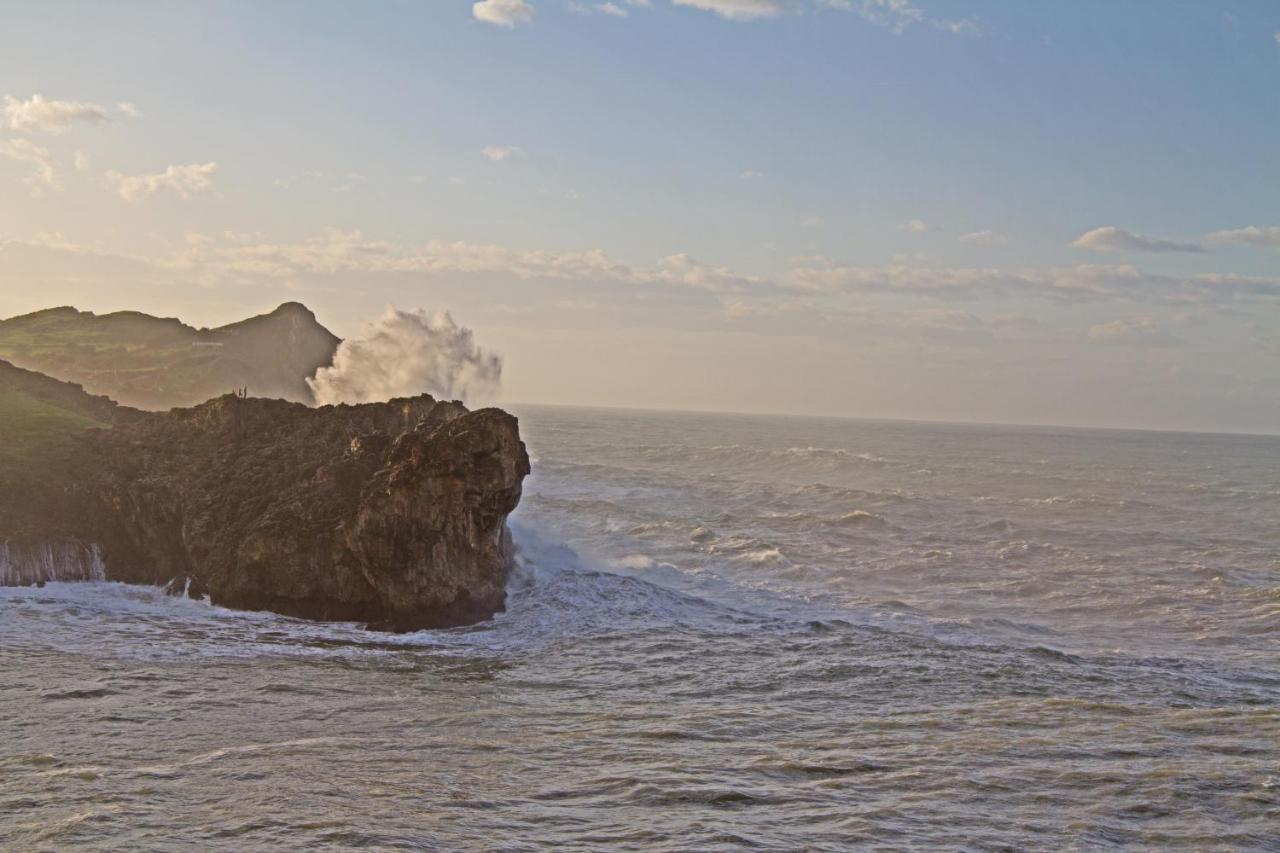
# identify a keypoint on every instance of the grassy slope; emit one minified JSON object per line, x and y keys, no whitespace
{"x":41,"y":454}
{"x":151,"y":362}
{"x":118,"y":352}
{"x":37,"y":434}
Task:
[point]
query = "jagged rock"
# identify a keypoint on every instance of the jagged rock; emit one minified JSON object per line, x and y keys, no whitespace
{"x":388,"y":513}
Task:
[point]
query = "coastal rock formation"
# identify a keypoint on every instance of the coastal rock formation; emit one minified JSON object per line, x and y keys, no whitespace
{"x":392,"y":513}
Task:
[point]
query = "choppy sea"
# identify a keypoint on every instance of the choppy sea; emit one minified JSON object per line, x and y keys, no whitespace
{"x":724,"y":633}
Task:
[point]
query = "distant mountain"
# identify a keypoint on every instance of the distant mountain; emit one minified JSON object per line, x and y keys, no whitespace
{"x":160,"y":363}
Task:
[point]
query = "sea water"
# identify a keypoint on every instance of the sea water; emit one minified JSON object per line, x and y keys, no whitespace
{"x":723,"y":633}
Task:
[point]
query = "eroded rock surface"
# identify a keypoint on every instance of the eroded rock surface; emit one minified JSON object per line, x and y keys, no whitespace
{"x":392,"y":513}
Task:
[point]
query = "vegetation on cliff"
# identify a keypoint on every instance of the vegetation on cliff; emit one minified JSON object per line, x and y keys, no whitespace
{"x":154,"y":363}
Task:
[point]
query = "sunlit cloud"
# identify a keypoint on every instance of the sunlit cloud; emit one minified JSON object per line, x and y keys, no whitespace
{"x":1112,"y":239}
{"x":501,"y":153}
{"x":40,"y":113}
{"x":503,"y":13}
{"x":43,"y":175}
{"x":612,"y":9}
{"x":1252,"y":235}
{"x":1132,"y":331}
{"x":182,"y":181}
{"x":1075,"y":284}
{"x":736,"y":10}
{"x":985,"y":238}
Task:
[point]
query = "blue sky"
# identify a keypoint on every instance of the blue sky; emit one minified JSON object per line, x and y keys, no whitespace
{"x":1039,"y":212}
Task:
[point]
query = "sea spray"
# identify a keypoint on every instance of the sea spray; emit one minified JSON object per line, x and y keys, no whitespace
{"x":25,"y":564}
{"x":406,"y":353}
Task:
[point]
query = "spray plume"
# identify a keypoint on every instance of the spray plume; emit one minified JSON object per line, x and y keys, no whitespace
{"x":406,"y":353}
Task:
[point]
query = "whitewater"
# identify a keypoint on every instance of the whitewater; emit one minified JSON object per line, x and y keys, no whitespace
{"x":723,"y":632}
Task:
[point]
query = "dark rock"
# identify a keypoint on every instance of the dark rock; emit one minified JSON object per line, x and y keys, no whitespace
{"x":392,"y":513}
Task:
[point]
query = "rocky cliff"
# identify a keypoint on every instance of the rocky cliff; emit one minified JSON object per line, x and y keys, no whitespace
{"x":392,"y":514}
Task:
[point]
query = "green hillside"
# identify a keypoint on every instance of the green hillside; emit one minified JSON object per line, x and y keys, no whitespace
{"x":158,"y":363}
{"x":42,"y":422}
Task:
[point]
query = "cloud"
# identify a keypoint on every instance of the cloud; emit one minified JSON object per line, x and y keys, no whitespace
{"x":893,"y":15}
{"x":684,"y":270}
{"x":26,"y":151}
{"x":336,"y":252}
{"x":503,"y":13}
{"x":81,"y":161}
{"x":751,"y":175}
{"x":39,"y":113}
{"x":817,"y":284}
{"x":128,"y":109}
{"x":183,"y":181}
{"x":1112,"y":239}
{"x":736,"y":10}
{"x":1267,"y":237}
{"x":985,"y":238}
{"x":500,"y":153}
{"x":915,"y":226}
{"x":964,"y":27}
{"x":612,"y":9}
{"x":1132,"y":331}
{"x":1076,"y":284}
{"x":813,"y":222}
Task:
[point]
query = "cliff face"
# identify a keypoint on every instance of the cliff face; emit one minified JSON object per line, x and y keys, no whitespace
{"x":388,"y":513}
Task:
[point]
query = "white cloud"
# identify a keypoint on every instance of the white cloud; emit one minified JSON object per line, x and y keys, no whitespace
{"x":129,"y":109}
{"x":985,"y":238}
{"x":751,"y":175}
{"x":503,"y":13}
{"x":1252,"y":235}
{"x":736,"y":10}
{"x":26,"y":151}
{"x":612,"y":9}
{"x":1112,"y":239}
{"x":813,"y":222}
{"x":39,"y":113}
{"x":1277,"y":36}
{"x":500,"y":153}
{"x":183,"y":181}
{"x":81,"y":161}
{"x":915,"y":226}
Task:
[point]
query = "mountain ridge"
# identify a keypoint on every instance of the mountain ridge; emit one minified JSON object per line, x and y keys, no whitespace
{"x":157,"y":363}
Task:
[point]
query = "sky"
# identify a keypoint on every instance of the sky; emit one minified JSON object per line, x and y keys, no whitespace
{"x":1052,"y":213}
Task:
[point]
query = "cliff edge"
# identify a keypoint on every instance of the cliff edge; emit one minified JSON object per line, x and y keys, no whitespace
{"x":392,"y":513}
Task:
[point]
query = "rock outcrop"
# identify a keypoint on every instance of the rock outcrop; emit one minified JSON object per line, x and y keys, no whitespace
{"x":393,"y":514}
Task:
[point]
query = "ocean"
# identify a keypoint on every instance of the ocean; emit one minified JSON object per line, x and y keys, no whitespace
{"x":724,"y":633}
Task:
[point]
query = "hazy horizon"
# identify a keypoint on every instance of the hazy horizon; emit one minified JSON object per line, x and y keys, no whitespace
{"x":931,"y":211}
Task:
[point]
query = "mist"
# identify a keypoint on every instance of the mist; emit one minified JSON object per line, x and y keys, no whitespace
{"x":407,"y":353}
